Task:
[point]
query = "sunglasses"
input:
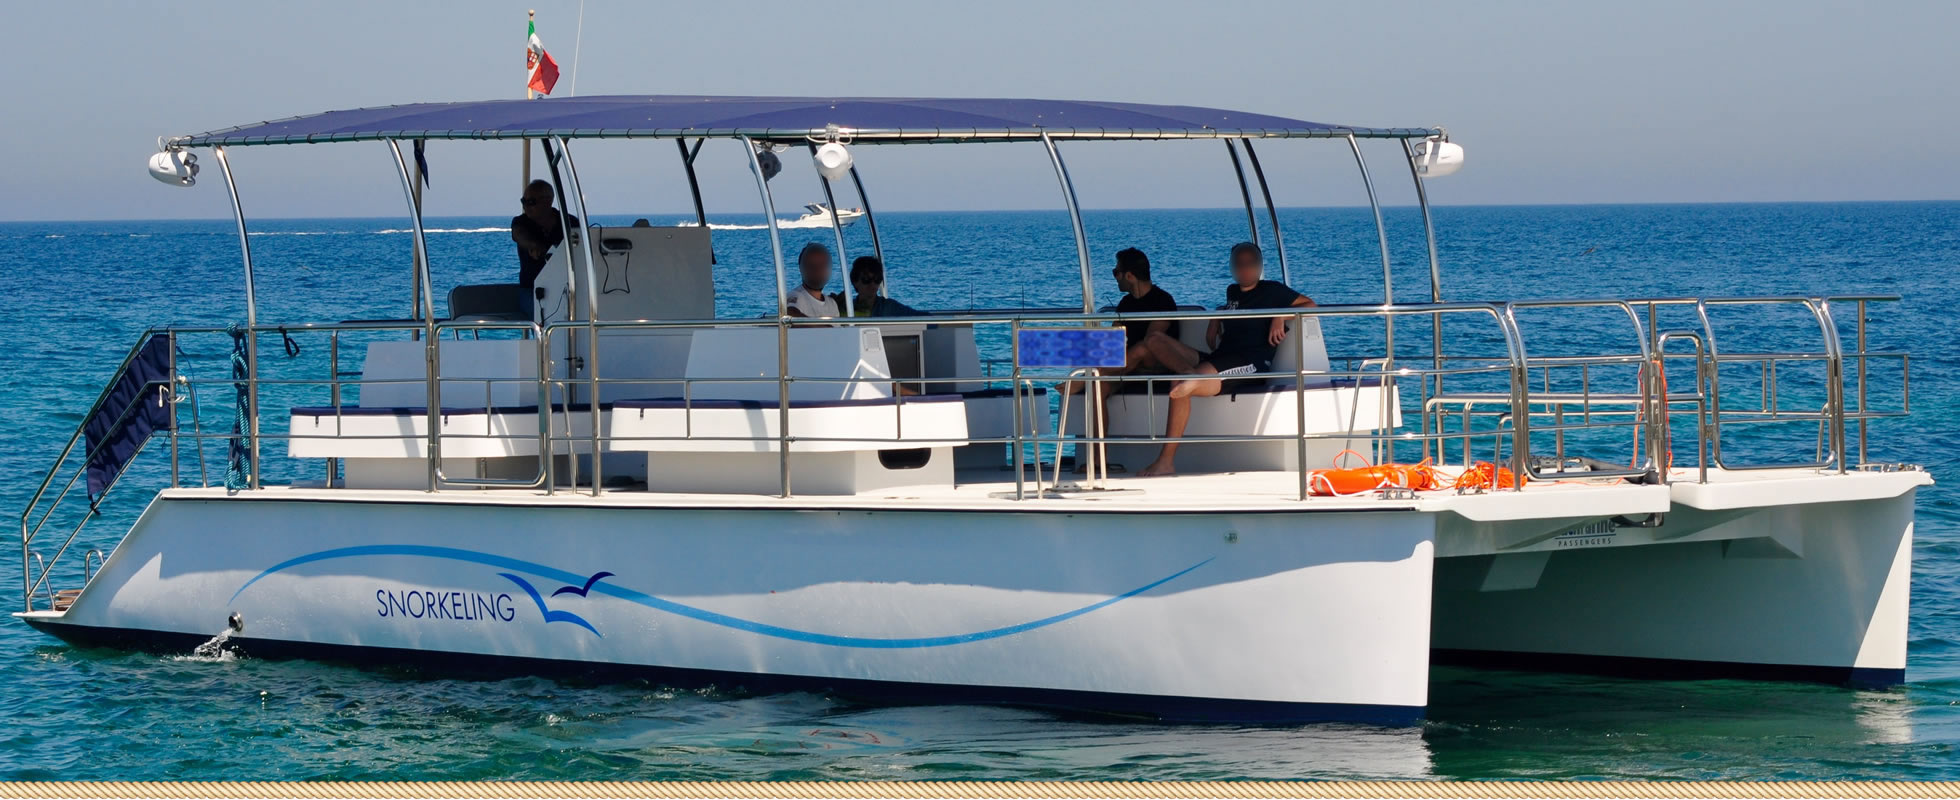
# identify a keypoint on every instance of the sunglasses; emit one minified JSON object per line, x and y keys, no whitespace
{"x":530,"y":201}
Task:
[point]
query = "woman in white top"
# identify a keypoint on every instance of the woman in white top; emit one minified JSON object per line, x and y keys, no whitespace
{"x":808,"y":298}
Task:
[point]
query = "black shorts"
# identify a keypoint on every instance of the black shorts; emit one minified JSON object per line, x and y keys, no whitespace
{"x":1238,"y":363}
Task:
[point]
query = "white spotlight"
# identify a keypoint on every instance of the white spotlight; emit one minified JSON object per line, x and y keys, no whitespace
{"x":833,"y":161}
{"x":175,"y":167}
{"x":1437,"y":156}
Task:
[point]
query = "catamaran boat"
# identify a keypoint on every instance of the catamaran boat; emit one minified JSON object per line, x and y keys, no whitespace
{"x":628,"y":484}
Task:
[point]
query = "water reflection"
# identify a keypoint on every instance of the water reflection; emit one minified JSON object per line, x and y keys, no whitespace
{"x":1530,"y":725}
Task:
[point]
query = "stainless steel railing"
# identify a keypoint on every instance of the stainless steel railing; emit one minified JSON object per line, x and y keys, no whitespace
{"x":1512,"y":412}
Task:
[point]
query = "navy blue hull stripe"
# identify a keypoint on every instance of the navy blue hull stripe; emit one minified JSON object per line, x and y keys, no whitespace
{"x":1668,"y":668}
{"x":456,"y":665}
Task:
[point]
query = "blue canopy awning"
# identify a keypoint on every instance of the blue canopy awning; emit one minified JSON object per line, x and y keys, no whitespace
{"x":868,"y":119}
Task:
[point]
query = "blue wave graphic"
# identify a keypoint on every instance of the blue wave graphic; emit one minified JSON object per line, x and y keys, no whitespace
{"x":550,"y":616}
{"x":701,"y":614}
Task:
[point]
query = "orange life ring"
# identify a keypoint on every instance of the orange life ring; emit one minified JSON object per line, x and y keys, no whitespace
{"x":1355,"y":480}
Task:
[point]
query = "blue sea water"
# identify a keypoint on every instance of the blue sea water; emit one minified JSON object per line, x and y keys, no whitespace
{"x":83,"y":291}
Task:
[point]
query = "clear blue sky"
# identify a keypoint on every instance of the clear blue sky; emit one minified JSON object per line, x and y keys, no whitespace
{"x":1556,"y":102}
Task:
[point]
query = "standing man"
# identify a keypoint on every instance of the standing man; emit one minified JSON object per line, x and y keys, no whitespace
{"x":535,"y":231}
{"x":1241,"y":346}
{"x":808,"y":299}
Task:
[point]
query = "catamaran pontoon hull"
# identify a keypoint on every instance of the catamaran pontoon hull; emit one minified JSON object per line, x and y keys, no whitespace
{"x":1214,"y":617}
{"x":1272,"y":616}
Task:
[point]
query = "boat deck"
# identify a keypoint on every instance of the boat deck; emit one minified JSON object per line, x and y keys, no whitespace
{"x":1240,"y":492}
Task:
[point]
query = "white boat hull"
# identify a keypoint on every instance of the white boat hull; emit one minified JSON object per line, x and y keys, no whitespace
{"x":1275,"y":613}
{"x":1259,"y":616}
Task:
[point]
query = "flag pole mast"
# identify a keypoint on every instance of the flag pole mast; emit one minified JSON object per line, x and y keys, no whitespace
{"x":529,"y":94}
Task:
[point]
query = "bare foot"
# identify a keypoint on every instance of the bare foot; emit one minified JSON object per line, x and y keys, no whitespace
{"x":1158,"y":468}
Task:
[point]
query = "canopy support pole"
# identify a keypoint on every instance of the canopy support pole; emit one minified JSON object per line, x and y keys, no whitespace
{"x":570,"y":296}
{"x":693,"y":183}
{"x":782,"y":315}
{"x":877,"y":245}
{"x":251,"y":314}
{"x":1388,"y":277}
{"x":1245,"y":193}
{"x":425,"y":308}
{"x":836,"y":227}
{"x":1272,"y":212}
{"x":1075,"y":220}
{"x":583,"y":233}
{"x":1435,"y":264}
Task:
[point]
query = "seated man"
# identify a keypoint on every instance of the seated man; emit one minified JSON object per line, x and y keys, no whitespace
{"x":1238,"y":346}
{"x":536,"y":231}
{"x":867,"y":278}
{"x":1139,"y":296}
{"x":808,"y":298}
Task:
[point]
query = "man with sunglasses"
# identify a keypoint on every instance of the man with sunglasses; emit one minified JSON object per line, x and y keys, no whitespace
{"x":867,"y":280}
{"x":536,"y":231}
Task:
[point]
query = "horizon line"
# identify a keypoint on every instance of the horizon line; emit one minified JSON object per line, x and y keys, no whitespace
{"x":685,"y":212}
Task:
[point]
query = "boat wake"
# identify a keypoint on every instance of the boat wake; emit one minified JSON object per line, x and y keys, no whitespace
{"x":213,"y":651}
{"x":784,"y":225}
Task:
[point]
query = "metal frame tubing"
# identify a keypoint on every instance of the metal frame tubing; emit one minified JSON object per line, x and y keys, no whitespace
{"x":782,"y":314}
{"x":1245,"y":192}
{"x":1272,"y":213}
{"x":1388,"y":275}
{"x":1428,"y":227}
{"x":591,"y":314}
{"x":1435,"y":264}
{"x":1834,"y":375}
{"x":431,"y":358}
{"x":693,"y":183}
{"x":871,"y":221}
{"x":1381,"y":231}
{"x":1075,"y":219}
{"x":251,"y":313}
{"x":1520,"y":400}
{"x":551,"y":159}
{"x":836,"y":225}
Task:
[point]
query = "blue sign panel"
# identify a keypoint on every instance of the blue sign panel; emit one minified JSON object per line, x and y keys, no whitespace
{"x":1070,"y":347}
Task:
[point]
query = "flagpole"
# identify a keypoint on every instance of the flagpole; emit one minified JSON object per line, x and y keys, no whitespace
{"x":529,"y":94}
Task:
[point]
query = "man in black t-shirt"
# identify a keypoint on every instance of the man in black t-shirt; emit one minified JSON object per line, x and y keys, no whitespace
{"x":1239,"y":346}
{"x":1140,"y":296}
{"x":535,"y":231}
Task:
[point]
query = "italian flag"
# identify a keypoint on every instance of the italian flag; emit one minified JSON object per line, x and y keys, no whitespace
{"x":543,"y":70}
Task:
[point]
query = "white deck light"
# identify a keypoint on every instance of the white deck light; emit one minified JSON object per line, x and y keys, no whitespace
{"x":1437,"y":156}
{"x":175,"y":167}
{"x":833,"y":161}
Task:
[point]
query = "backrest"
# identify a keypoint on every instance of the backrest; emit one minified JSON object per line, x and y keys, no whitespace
{"x":487,"y":301}
{"x":1307,"y":341}
{"x":1192,"y":333}
{"x":853,"y":353}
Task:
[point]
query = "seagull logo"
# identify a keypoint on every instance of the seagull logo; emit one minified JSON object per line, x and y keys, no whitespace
{"x":551,"y":615}
{"x":582,"y":590}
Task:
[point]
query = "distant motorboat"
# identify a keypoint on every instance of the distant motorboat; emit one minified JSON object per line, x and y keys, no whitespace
{"x":815,"y":215}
